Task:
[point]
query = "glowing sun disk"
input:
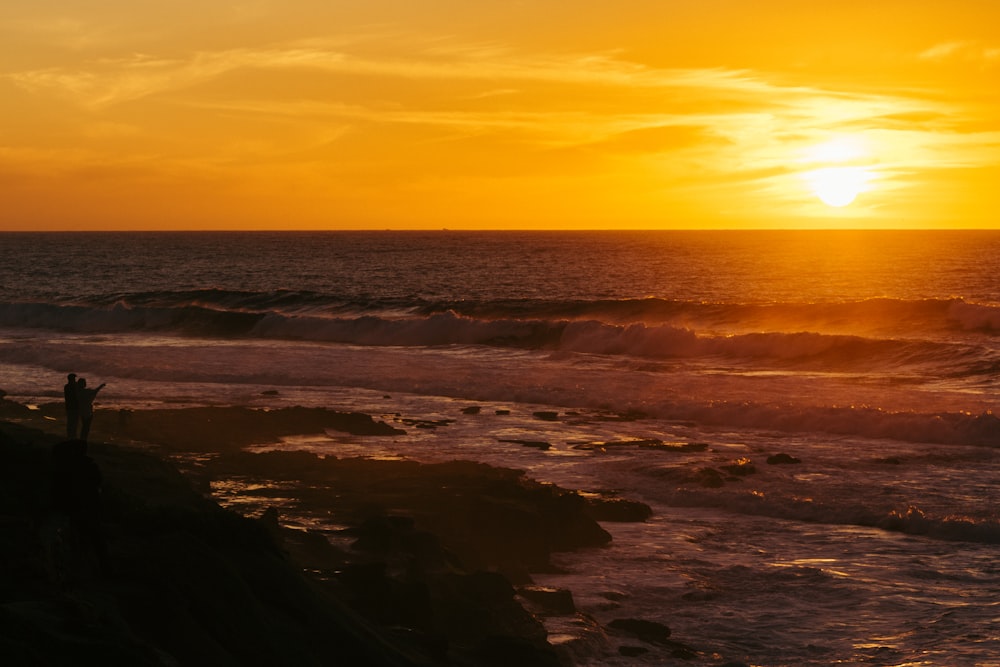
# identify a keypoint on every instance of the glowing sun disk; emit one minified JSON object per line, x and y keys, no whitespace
{"x":837,"y":186}
{"x":836,"y":170}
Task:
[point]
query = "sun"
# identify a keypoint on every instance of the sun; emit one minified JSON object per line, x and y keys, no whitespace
{"x":837,"y":186}
{"x":838,"y":173}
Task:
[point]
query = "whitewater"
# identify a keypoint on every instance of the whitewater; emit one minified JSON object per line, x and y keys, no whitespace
{"x":666,"y":367}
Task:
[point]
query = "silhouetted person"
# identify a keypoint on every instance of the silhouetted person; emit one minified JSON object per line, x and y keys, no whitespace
{"x":76,"y":495}
{"x":72,"y":406}
{"x":86,"y":399}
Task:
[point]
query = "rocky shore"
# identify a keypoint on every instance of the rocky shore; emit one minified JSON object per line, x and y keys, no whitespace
{"x":405,"y":563}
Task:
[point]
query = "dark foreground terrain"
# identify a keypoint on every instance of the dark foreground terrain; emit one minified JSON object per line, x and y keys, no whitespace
{"x":436,"y":571}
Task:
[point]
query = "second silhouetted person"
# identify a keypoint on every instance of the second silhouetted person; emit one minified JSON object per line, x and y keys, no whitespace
{"x":86,"y":399}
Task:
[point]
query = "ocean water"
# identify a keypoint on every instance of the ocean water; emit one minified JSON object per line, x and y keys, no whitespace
{"x":872,"y":357}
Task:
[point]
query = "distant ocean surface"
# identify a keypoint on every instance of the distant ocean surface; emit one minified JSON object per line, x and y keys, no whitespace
{"x":873,"y":357}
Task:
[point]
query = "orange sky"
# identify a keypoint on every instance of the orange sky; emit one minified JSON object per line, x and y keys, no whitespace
{"x":308,"y":114}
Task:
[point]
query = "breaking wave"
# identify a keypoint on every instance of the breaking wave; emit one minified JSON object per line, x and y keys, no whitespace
{"x":675,"y":340}
{"x":825,"y":337}
{"x":902,"y":315}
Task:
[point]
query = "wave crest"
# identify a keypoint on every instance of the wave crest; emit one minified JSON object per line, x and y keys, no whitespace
{"x":295,"y":316}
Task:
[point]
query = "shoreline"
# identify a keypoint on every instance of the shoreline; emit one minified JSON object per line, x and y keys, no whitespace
{"x":434,"y":561}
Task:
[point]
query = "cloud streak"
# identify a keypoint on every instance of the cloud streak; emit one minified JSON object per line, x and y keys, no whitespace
{"x":963,"y":51}
{"x":106,"y":82}
{"x":368,"y":102}
{"x":520,"y":86}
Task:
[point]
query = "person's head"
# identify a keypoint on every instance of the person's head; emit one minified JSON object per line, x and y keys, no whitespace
{"x":82,"y":382}
{"x":71,"y":377}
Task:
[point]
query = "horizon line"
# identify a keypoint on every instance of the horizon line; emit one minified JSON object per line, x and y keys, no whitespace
{"x":497,"y":230}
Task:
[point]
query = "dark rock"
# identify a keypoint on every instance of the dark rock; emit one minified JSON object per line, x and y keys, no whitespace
{"x":546,"y":415}
{"x":470,"y":614}
{"x":654,"y":443}
{"x":709,"y":478}
{"x":648,"y":631}
{"x":673,"y":447}
{"x":387,"y":600}
{"x":509,"y":528}
{"x":653,"y":633}
{"x":480,"y":616}
{"x":272,"y":524}
{"x":471,"y":410}
{"x":358,"y":423}
{"x":381,"y":534}
{"x":741,"y":467}
{"x":502,"y":412}
{"x":196,"y":584}
{"x":682,"y":652}
{"x":782,"y":459}
{"x":504,"y":651}
{"x":427,"y":423}
{"x":632,"y":651}
{"x":650,"y":443}
{"x":488,"y":518}
{"x":221,"y":428}
{"x":313,"y":551}
{"x":192,"y":583}
{"x":537,"y":444}
{"x":565,"y":514}
{"x":618,"y":509}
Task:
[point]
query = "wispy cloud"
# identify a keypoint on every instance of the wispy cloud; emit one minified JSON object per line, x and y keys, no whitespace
{"x":573,"y":91}
{"x":697,"y":129}
{"x":963,"y":51}
{"x":668,"y":107}
{"x":108,"y":81}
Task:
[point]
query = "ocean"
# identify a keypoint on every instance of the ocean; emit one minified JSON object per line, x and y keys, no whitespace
{"x":870,"y":357}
